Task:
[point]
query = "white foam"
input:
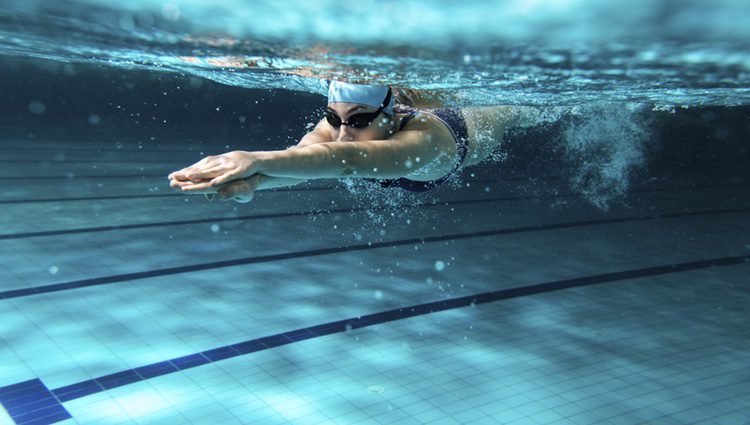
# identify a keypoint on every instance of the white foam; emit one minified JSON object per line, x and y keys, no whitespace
{"x":604,"y":145}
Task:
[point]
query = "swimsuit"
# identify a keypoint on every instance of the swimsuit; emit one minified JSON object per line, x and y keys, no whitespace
{"x":452,"y":119}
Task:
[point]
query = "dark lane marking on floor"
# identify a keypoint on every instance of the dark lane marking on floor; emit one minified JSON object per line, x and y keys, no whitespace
{"x":272,"y":215}
{"x":87,"y":161}
{"x":105,"y":280}
{"x":198,"y":151}
{"x":30,"y":402}
{"x":163,"y":175}
{"x":74,"y":177}
{"x":175,"y":194}
{"x":122,"y":197}
{"x":333,"y":187}
{"x":246,"y":217}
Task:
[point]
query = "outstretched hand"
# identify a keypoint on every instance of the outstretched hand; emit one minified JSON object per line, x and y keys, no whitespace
{"x":237,"y":190}
{"x":211,"y":171}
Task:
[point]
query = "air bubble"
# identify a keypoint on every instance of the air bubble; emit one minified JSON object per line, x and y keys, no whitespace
{"x":439,"y":265}
{"x":375,"y":389}
{"x":36,"y":107}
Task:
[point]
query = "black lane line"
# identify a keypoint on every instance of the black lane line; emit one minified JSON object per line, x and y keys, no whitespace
{"x":244,"y":218}
{"x":198,"y":150}
{"x":278,"y":215}
{"x":105,"y":280}
{"x":98,"y":198}
{"x":176,"y":194}
{"x":29,"y":396}
{"x":333,"y":187}
{"x":88,"y":176}
{"x":122,"y":197}
{"x":87,"y":161}
{"x":163,"y":175}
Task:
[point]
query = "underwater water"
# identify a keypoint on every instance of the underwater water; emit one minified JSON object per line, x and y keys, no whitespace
{"x":593,"y":270}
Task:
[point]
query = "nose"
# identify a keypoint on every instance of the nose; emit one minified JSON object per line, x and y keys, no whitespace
{"x":345,"y":134}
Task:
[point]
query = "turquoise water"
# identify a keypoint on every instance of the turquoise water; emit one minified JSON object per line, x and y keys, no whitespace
{"x":543,"y":52}
{"x":592,"y":271}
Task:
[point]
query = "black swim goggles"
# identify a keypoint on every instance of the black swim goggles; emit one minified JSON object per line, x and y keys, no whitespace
{"x":361,"y":120}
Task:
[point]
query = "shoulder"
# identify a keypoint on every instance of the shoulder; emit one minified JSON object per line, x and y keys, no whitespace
{"x":422,"y":120}
{"x":321,"y":133}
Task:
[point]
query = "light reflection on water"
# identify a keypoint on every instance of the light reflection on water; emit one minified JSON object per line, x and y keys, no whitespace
{"x":539,"y":52}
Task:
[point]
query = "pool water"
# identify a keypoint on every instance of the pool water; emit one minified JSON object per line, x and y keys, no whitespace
{"x":593,"y":271}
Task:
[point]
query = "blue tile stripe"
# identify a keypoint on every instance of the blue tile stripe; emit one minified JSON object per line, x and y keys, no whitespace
{"x":32,"y":403}
{"x":32,"y":400}
{"x":83,"y":283}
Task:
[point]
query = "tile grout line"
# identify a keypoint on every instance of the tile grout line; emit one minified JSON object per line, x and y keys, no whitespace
{"x":19,"y":396}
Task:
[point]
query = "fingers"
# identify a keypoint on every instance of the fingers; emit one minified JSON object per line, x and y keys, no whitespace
{"x":209,"y":173}
{"x":219,"y":175}
{"x":219,"y":169}
{"x":178,"y":175}
{"x":197,"y":188}
{"x":226,"y":177}
{"x":188,"y":173}
{"x":177,"y":184}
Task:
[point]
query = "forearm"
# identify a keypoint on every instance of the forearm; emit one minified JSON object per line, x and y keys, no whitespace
{"x":309,"y":162}
{"x":378,"y":159}
{"x":270,"y":182}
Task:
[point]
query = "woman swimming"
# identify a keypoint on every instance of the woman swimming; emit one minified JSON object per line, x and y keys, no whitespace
{"x":365,"y":135}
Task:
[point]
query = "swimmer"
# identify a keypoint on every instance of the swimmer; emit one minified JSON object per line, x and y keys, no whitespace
{"x":364,"y":134}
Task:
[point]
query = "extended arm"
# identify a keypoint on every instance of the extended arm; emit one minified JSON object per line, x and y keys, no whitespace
{"x":403,"y":154}
{"x":396,"y":157}
{"x":185,"y":178}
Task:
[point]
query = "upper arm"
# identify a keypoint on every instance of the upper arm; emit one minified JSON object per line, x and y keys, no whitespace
{"x":422,"y":153}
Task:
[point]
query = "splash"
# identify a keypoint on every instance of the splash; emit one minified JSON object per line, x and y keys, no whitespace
{"x":604,"y":143}
{"x":387,"y":208}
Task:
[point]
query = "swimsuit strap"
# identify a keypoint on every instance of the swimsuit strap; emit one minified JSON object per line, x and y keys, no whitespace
{"x":455,"y":122}
{"x":411,"y":113}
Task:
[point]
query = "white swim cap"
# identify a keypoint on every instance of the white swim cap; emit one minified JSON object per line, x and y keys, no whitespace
{"x":361,"y":94}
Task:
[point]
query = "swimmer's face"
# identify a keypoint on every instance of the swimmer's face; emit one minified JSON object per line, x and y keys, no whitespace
{"x":379,"y":129}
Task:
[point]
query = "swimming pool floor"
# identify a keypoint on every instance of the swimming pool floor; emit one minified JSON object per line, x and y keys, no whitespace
{"x":122,"y":302}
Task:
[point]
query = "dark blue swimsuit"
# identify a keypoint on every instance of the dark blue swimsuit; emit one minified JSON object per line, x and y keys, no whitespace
{"x":455,"y":122}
